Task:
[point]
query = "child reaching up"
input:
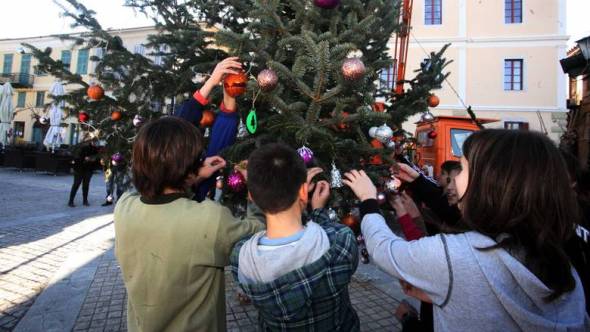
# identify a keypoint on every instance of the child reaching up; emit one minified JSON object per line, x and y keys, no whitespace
{"x":296,"y":273}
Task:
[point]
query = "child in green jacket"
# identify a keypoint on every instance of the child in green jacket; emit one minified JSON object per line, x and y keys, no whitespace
{"x":173,"y":250}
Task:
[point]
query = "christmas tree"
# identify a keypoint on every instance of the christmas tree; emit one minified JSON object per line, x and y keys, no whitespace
{"x":311,"y":80}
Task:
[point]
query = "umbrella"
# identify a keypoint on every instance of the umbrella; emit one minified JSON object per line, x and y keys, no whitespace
{"x":6,"y":110}
{"x":54,"y":134}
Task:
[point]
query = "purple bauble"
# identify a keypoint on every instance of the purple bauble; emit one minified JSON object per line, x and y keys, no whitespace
{"x":236,"y":181}
{"x":117,"y":157}
{"x":327,"y":4}
{"x":306,"y":154}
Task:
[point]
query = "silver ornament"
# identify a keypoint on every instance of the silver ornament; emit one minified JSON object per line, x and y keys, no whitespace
{"x":336,"y":177}
{"x":393,"y":184}
{"x":206,"y":134}
{"x":391,"y":144}
{"x":372,"y":131}
{"x":242,"y":130}
{"x":427,"y":117}
{"x":383,"y":133}
{"x":332,"y":214}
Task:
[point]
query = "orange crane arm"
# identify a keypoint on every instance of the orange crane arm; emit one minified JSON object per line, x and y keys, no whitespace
{"x":402,"y":40}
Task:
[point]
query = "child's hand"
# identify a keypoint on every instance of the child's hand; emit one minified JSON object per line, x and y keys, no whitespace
{"x":210,"y":166}
{"x":414,"y":292}
{"x":311,"y":173}
{"x":320,"y":195}
{"x":242,"y":167}
{"x":229,"y":65}
{"x":405,"y":173}
{"x":361,"y":185}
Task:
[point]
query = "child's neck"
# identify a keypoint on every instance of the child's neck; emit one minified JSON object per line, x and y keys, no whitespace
{"x":283,"y":224}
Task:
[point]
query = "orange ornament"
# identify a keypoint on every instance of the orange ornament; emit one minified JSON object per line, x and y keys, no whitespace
{"x":95,"y":92}
{"x":376,"y":159}
{"x":116,"y":115}
{"x":207,"y":119}
{"x":352,"y":222}
{"x":433,"y":100}
{"x":235,"y":84}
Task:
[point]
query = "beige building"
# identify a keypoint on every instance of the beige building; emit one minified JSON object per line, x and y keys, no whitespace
{"x":31,"y":87}
{"x":505,"y":59}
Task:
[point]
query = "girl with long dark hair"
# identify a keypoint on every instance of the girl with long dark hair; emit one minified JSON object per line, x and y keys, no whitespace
{"x":508,"y":271}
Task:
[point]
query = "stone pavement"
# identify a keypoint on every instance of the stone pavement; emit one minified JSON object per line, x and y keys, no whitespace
{"x":59,"y":273}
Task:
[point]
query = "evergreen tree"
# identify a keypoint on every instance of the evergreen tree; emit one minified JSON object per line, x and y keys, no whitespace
{"x":313,"y":104}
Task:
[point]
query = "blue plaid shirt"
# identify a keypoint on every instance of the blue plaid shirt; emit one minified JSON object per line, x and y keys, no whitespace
{"x":313,"y":297}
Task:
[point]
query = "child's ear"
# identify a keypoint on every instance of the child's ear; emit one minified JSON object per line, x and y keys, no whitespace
{"x":303,"y":192}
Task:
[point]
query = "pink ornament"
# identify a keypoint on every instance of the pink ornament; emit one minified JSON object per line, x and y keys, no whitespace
{"x":306,"y":154}
{"x":236,"y":181}
{"x":327,"y":4}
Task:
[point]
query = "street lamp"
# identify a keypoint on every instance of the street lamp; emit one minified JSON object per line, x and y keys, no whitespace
{"x":584,"y":45}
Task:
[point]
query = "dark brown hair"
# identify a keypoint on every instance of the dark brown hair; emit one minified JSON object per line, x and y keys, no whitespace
{"x":275,"y":174}
{"x":519,"y":186}
{"x":165,"y":152}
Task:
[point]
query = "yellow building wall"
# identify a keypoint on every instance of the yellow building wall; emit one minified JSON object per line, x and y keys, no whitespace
{"x":485,"y":18}
{"x":485,"y":77}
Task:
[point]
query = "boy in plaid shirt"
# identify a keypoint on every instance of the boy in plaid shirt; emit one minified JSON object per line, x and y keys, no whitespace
{"x":296,"y":273}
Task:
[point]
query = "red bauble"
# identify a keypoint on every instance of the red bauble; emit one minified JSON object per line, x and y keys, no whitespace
{"x":116,"y":116}
{"x":235,"y":84}
{"x":207,"y":119}
{"x":83,"y":117}
{"x":352,"y":222}
{"x":95,"y":92}
{"x":379,"y":107}
{"x":376,"y":159}
{"x":353,"y":69}
{"x":432,"y":134}
{"x":433,"y":100}
{"x":327,"y":4}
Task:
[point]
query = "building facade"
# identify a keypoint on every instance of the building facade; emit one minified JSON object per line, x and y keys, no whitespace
{"x":505,"y":59}
{"x":31,"y":87}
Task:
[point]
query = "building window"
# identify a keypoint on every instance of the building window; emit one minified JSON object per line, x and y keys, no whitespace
{"x":512,"y":11}
{"x":40,"y":101}
{"x":386,"y":78}
{"x":66,"y":59}
{"x":139,"y":49}
{"x":513,"y":74}
{"x":516,"y":125}
{"x":21,"y":99}
{"x":7,"y":68}
{"x":25,"y":64}
{"x":82,"y":65}
{"x":432,"y":12}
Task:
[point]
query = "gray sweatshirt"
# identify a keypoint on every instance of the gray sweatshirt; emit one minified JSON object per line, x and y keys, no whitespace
{"x":262,"y":264}
{"x":474,"y":289}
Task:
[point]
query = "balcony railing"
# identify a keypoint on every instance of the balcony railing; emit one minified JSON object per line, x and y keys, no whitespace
{"x":18,"y":80}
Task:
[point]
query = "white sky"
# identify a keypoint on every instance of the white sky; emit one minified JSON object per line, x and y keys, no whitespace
{"x":28,"y":18}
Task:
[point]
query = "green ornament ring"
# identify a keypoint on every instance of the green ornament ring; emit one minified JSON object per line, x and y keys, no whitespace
{"x":252,"y":121}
